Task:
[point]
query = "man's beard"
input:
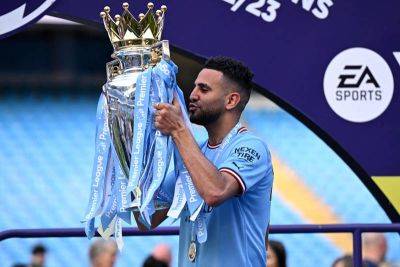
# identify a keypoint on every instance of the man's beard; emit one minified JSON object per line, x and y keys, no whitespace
{"x":205,"y":117}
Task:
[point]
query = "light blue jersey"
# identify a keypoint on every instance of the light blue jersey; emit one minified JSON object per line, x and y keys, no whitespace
{"x":237,"y":227}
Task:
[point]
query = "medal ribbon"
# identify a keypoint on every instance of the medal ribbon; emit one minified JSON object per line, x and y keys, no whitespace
{"x":201,"y":221}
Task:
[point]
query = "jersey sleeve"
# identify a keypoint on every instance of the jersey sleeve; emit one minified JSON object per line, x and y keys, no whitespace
{"x":248,"y":162}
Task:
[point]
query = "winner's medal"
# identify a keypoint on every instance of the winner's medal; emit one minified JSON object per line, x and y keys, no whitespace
{"x":192,"y":251}
{"x":192,"y":246}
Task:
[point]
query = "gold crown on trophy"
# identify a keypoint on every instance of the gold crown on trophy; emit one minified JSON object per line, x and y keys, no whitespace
{"x":126,"y":31}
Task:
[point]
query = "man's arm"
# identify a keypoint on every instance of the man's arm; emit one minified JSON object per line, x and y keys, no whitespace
{"x":212,"y":185}
{"x":165,"y":194}
{"x":158,"y":217}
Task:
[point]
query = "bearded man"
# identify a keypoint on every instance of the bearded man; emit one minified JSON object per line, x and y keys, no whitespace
{"x":234,"y":177}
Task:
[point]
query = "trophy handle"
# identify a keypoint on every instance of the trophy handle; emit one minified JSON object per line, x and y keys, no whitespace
{"x":160,"y":51}
{"x":113,"y":68}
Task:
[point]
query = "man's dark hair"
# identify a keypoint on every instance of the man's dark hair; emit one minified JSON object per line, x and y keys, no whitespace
{"x":153,"y":262}
{"x":38,"y":249}
{"x":280,"y":252}
{"x":346,"y":260}
{"x":235,"y":71}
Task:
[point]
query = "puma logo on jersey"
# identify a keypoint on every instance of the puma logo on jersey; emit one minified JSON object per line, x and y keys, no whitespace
{"x":237,"y":166}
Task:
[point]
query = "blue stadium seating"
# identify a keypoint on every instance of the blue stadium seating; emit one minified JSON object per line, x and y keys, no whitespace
{"x":46,"y":157}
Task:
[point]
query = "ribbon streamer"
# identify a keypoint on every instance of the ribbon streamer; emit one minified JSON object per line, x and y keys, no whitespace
{"x":153,"y":156}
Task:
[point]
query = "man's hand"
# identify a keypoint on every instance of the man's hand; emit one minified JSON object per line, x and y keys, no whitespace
{"x":169,"y":118}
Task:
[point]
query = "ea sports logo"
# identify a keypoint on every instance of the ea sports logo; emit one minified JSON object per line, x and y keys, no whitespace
{"x":358,"y":85}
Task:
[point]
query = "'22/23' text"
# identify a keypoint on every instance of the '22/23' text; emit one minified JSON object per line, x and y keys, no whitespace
{"x":267,"y":9}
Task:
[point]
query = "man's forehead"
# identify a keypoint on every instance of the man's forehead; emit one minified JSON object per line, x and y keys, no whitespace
{"x":209,"y":76}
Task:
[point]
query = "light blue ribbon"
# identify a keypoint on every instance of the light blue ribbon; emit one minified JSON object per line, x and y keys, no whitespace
{"x":109,"y":179}
{"x":167,"y":71}
{"x":194,"y":200}
{"x":122,"y":195}
{"x":118,"y":233}
{"x":161,"y":154}
{"x":139,"y":130}
{"x":90,"y":230}
{"x":178,"y":201}
{"x":201,"y":227}
{"x":102,"y":144}
{"x":146,"y":211}
{"x":111,"y":209}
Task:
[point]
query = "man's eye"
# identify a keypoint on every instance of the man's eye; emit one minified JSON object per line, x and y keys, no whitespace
{"x":203,"y":89}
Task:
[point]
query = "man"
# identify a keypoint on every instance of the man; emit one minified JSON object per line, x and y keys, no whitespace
{"x":103,"y":253}
{"x":236,"y":180}
{"x":38,"y":258}
{"x":374,"y":247}
{"x":160,"y":257}
{"x":276,"y":254}
{"x":344,"y":261}
{"x":162,"y":252}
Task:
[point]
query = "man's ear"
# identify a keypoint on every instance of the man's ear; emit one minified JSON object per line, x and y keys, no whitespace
{"x":232,"y":100}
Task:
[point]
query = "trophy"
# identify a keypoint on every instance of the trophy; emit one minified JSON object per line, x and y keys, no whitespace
{"x":137,"y":46}
{"x":132,"y":158}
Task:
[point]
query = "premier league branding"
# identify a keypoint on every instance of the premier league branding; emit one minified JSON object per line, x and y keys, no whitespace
{"x":16,"y":14}
{"x":358,"y":85}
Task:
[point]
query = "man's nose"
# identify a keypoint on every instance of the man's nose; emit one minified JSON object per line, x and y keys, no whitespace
{"x":193,"y":95}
